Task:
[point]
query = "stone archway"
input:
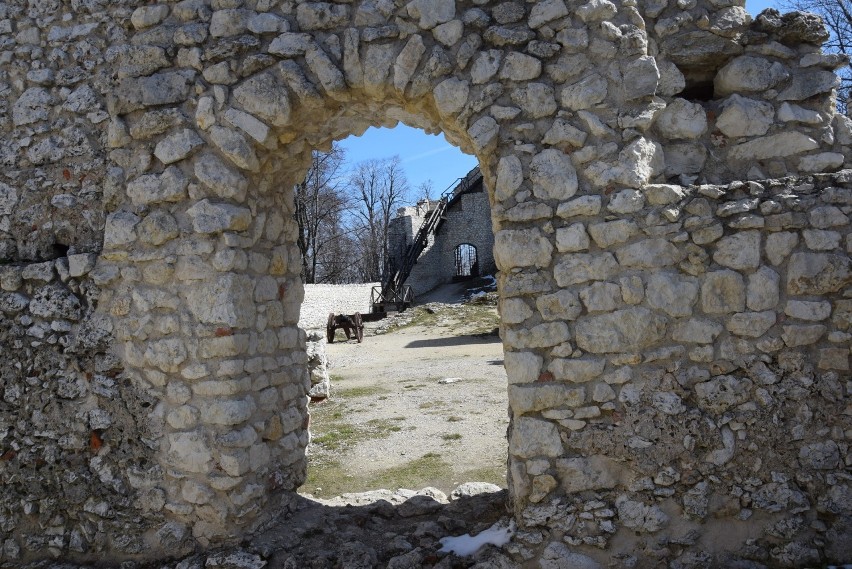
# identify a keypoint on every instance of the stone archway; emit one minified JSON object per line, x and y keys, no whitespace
{"x":650,"y":327}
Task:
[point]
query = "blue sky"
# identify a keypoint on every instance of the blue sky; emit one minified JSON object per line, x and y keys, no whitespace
{"x":430,"y":157}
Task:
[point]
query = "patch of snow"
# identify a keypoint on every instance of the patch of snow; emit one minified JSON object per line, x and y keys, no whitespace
{"x":499,"y":534}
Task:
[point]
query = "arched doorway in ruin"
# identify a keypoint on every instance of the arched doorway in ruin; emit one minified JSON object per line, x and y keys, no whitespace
{"x":466,"y":261}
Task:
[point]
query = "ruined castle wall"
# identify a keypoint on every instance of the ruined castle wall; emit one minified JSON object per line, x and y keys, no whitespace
{"x":677,"y":355}
{"x":320,"y":299}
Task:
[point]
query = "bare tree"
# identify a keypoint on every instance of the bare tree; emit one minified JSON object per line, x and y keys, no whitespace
{"x":379,"y":188}
{"x":837,"y":15}
{"x":321,"y":203}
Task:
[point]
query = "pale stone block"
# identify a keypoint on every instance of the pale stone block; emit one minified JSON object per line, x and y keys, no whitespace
{"x":596,"y":11}
{"x":697,"y":331}
{"x":572,"y":238}
{"x":673,"y":294}
{"x":751,"y":324}
{"x":611,"y":233}
{"x":407,"y":61}
{"x":195,"y":492}
{"x":485,"y":66}
{"x":209,"y":217}
{"x":563,"y":132}
{"x":627,"y":330}
{"x":183,"y":417}
{"x":582,"y":267}
{"x":817,"y":273}
{"x":603,"y":393}
{"x":763,"y":291}
{"x":432,"y":12}
{"x":553,"y":175}
{"x":521,"y":248}
{"x":265,"y":96}
{"x":834,"y":358}
{"x":584,"y":94}
{"x":189,"y":451}
{"x":821,"y":240}
{"x":541,"y":336}
{"x":534,"y":437}
{"x":536,"y":100}
{"x":579,"y":370}
{"x":773,"y":146}
{"x":522,"y":367}
{"x":723,"y":292}
{"x":510,"y":176}
{"x":451,"y":96}
{"x":514,"y":310}
{"x":649,"y":254}
{"x":822,"y":162}
{"x":780,"y":245}
{"x":226,"y":300}
{"x":824,"y":217}
{"x":709,"y":234}
{"x":449,"y":33}
{"x":748,"y":73}
{"x":562,"y":305}
{"x":682,"y":120}
{"x":795,"y":336}
{"x":177,"y":146}
{"x":147,"y":16}
{"x":529,"y":399}
{"x":814,"y":311}
{"x":739,"y":251}
{"x":601,"y":297}
{"x":546,"y":11}
{"x":234,"y":462}
{"x":520,"y":67}
{"x":584,"y":205}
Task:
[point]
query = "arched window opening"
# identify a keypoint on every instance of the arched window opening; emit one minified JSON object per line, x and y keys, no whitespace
{"x":467,"y":264}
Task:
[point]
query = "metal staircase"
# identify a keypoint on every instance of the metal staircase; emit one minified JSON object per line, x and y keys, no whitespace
{"x":393,"y":291}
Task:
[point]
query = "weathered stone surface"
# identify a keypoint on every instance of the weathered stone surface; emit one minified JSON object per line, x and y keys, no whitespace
{"x":627,"y":330}
{"x":751,"y":324}
{"x":745,"y":117}
{"x":534,"y":437}
{"x":579,"y":268}
{"x":723,"y":292}
{"x":541,"y":336}
{"x":227,"y":301}
{"x":578,"y":370}
{"x":817,"y":273}
{"x":696,"y":331}
{"x":572,"y":238}
{"x":640,"y":517}
{"x":223,"y":180}
{"x":528,"y":399}
{"x":585,"y":93}
{"x":522,"y":367}
{"x":673,"y":294}
{"x":763,"y":291}
{"x":775,"y":145}
{"x":723,"y":392}
{"x":650,"y":253}
{"x":521,"y":248}
{"x":263,"y":95}
{"x":210,"y":217}
{"x":748,"y":73}
{"x":682,"y":119}
{"x":562,"y":305}
{"x":739,"y":251}
{"x":591,"y":473}
{"x":177,"y":146}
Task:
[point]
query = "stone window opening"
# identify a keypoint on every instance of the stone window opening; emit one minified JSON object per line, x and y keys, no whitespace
{"x":467,"y":264}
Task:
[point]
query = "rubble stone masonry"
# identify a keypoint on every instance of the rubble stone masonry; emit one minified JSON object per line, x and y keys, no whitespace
{"x":677,"y":339}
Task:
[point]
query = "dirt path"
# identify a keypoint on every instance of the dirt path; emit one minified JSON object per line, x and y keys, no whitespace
{"x":421,"y":405}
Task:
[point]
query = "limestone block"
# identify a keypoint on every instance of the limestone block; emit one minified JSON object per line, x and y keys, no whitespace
{"x":626,"y":202}
{"x":632,"y":289}
{"x":522,"y":367}
{"x":485,"y":66}
{"x":81,"y":263}
{"x":748,"y":73}
{"x":640,"y":77}
{"x":584,"y":94}
{"x":250,"y":125}
{"x":823,"y":217}
{"x":579,"y":268}
{"x":795,"y":113}
{"x":321,"y":15}
{"x":532,"y":398}
{"x":562,"y":132}
{"x":751,"y":324}
{"x":432,"y":12}
{"x":520,"y":67}
{"x":32,"y":106}
{"x":510,"y":176}
{"x":407,"y":61}
{"x":663,"y":194}
{"x":588,"y":473}
{"x":483,"y":133}
{"x":649,"y":254}
{"x":147,"y":16}
{"x":137,"y":60}
{"x":773,"y":146}
{"x":814,"y":311}
{"x":780,"y":245}
{"x":534,"y":437}
{"x":807,"y":83}
{"x":514,"y":310}
{"x":561,"y":305}
{"x":266,"y":23}
{"x":170,"y":186}
{"x":234,"y":462}
{"x":546,"y":11}
{"x":8,"y":198}
{"x":822,"y":162}
{"x":451,"y":96}
{"x":449,"y":33}
{"x":161,"y":88}
{"x":521,"y":248}
{"x":265,"y":96}
{"x":696,"y":331}
{"x":541,"y":336}
{"x":834,"y":358}
{"x":53,"y":302}
{"x":745,"y":117}
{"x":821,"y":240}
{"x":536,"y":100}
{"x":723,"y":392}
{"x":817,"y":273}
{"x":228,"y":411}
{"x":584,"y":205}
{"x":611,"y":233}
{"x":157,"y":228}
{"x":682,"y":120}
{"x":177,"y":146}
{"x":671,"y":81}
{"x":739,"y":251}
{"x":219,"y":177}
{"x":820,"y":455}
{"x":628,"y":330}
{"x":722,"y":292}
{"x":699,"y":49}
{"x":189,"y":451}
{"x":235,"y":147}
{"x":596,"y":11}
{"x":120,"y":229}
{"x":795,"y":336}
{"x":640,"y":160}
{"x":183,"y":417}
{"x":572,"y":238}
{"x":226,"y":300}
{"x":763,"y":291}
{"x":601,"y":297}
{"x":553,"y":175}
{"x":673,"y":294}
{"x":209,"y":217}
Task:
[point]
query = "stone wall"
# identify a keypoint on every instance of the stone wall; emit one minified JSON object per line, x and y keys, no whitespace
{"x":320,"y":299}
{"x":466,"y":221}
{"x":677,"y":355}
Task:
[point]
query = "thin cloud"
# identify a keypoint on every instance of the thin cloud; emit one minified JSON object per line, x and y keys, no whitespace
{"x":428,"y":153}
